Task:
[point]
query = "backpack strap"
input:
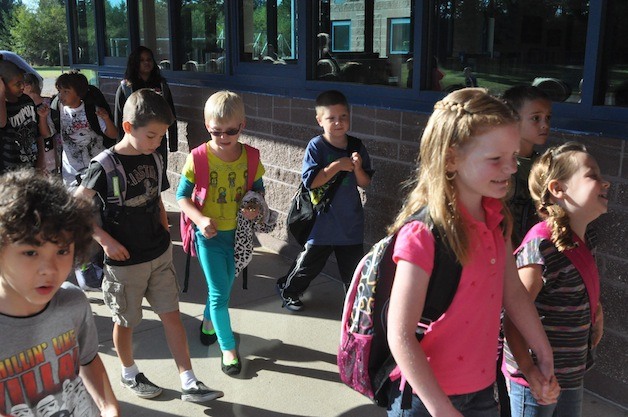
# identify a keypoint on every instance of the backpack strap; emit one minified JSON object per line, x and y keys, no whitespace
{"x":201,"y":175}
{"x":116,"y":177}
{"x":252,"y":162}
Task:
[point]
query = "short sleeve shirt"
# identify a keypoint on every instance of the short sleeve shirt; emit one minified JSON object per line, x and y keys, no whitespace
{"x":138,"y":225}
{"x":462,"y":344}
{"x":227,"y":186}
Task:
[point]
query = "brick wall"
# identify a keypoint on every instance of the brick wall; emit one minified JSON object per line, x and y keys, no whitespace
{"x":281,"y":127}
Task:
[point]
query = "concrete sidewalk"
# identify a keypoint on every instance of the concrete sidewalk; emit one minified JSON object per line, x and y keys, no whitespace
{"x":289,"y":359}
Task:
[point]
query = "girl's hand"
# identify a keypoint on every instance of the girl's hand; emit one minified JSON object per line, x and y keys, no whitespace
{"x":207,"y":227}
{"x":250,"y":213}
{"x":102,"y":113}
{"x":597,"y":330}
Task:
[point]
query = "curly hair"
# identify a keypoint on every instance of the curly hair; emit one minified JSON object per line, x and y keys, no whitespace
{"x":456,"y":119}
{"x":556,"y":163}
{"x":36,"y":208}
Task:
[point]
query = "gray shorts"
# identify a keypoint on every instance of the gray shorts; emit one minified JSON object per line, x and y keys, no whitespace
{"x":124,"y":288}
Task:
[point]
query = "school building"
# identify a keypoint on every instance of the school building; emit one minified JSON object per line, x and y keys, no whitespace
{"x":393,"y":59}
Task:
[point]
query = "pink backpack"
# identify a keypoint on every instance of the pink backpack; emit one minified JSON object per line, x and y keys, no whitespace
{"x":201,"y":187}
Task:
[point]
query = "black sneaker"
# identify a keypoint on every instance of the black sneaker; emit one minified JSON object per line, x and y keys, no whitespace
{"x":141,"y":386}
{"x":289,"y":302}
{"x":200,"y":393}
{"x":232,"y":369}
{"x":207,"y":339}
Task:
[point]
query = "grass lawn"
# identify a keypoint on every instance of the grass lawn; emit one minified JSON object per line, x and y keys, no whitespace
{"x":54,"y":72}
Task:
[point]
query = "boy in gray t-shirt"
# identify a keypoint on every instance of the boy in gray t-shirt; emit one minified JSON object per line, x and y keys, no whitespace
{"x":51,"y":365}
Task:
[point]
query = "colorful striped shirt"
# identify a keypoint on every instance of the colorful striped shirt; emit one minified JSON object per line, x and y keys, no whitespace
{"x":563,"y":305}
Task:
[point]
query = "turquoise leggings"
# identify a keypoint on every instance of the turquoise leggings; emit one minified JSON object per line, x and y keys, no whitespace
{"x":216,"y":258}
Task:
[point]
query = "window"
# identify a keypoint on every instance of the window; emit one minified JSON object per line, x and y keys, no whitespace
{"x":399,"y":36}
{"x":154,"y":30}
{"x":85,"y":30}
{"x":203,"y":29}
{"x":341,"y":36}
{"x":500,"y":44}
{"x":614,"y":75}
{"x":364,"y":41}
{"x":116,"y":29}
{"x":268,"y":31}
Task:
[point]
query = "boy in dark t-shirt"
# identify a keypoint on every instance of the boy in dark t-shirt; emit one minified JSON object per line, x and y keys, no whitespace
{"x":136,"y":242}
{"x":21,"y":123}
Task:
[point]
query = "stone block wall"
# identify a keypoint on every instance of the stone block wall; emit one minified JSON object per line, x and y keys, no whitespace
{"x":281,"y":127}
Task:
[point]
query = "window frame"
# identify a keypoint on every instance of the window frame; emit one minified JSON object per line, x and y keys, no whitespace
{"x":295,"y":80}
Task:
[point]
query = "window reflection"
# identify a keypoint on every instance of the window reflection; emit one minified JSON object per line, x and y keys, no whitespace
{"x":203,"y":28}
{"x":500,"y":44}
{"x":614,"y":84}
{"x":269,"y":31}
{"x":367,"y":42}
{"x":85,"y":29}
{"x":154,"y":30}
{"x":116,"y":29}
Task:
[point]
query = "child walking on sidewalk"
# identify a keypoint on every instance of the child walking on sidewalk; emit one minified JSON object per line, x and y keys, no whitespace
{"x":129,"y":179}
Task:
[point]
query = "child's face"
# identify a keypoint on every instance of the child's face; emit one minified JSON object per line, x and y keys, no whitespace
{"x":535,"y":122}
{"x":69,"y":97}
{"x":225,"y":134}
{"x":334,"y":120}
{"x":14,"y":88}
{"x":30,"y":275}
{"x":585,"y":194}
{"x":485,"y":164}
{"x":146,"y":139}
{"x":146,"y":64}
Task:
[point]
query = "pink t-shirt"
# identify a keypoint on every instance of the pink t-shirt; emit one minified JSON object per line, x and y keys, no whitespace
{"x":461,"y":345}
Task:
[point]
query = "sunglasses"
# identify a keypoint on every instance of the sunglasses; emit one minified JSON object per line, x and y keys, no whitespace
{"x":230,"y":132}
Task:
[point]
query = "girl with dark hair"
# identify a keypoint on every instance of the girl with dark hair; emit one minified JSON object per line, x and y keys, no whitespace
{"x":143,"y":72}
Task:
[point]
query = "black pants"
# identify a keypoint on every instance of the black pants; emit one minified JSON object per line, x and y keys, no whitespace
{"x":311,"y":261}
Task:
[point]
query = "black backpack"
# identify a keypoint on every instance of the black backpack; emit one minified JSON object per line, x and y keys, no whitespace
{"x":364,"y":358}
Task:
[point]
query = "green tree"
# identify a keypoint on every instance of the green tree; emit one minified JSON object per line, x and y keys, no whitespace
{"x":6,"y":14}
{"x":36,"y":34}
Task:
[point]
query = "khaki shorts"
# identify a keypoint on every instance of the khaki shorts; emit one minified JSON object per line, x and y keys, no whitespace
{"x":124,"y":288}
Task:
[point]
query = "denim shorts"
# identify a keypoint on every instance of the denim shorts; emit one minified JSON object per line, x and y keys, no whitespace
{"x":476,"y":404}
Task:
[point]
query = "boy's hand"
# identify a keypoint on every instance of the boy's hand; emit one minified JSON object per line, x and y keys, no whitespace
{"x":207,"y":227}
{"x":114,"y":250}
{"x":345,"y":163}
{"x":356,"y":159}
{"x":102,"y":113}
{"x":43,"y":110}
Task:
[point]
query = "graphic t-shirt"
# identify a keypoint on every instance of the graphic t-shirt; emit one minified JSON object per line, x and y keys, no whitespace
{"x":80,"y":142}
{"x":39,"y":364}
{"x":137,"y":225}
{"x":227,"y":186}
{"x":18,"y":137}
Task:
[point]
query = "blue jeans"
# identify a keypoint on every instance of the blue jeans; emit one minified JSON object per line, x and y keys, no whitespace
{"x":476,"y":404}
{"x":522,"y":404}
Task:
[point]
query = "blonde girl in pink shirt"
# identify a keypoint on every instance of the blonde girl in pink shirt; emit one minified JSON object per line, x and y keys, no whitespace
{"x":467,"y":157}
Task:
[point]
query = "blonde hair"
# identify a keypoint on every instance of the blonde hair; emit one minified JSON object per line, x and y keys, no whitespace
{"x":557,"y":163}
{"x":455,"y":120}
{"x":224,"y":106}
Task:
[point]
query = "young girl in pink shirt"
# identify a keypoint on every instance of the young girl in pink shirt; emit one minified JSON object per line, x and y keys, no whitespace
{"x":467,"y":156}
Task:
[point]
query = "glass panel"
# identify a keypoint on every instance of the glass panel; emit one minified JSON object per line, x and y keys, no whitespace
{"x":116,"y":29}
{"x":367,"y":42}
{"x":203,"y":27}
{"x":85,"y":32}
{"x":269,"y":31}
{"x":155,"y":31}
{"x":498,"y":44}
{"x":615,"y":64}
